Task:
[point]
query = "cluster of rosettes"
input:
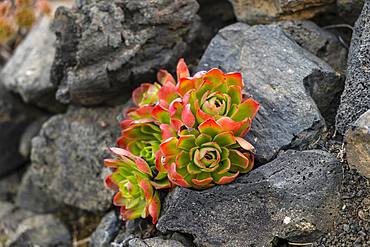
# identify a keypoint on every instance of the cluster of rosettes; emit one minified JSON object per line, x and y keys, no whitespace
{"x":187,"y":133}
{"x":20,"y":16}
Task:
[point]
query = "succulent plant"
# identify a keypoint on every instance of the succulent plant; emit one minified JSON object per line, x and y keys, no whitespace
{"x":152,"y":101}
{"x":133,"y":180}
{"x":143,"y":139}
{"x":186,"y":133}
{"x":206,"y":156}
{"x":215,"y":95}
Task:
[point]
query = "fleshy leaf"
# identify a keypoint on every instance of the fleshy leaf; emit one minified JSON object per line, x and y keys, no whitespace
{"x":247,"y":109}
{"x":163,"y":76}
{"x":187,"y":116}
{"x":176,"y":178}
{"x":210,"y":127}
{"x":182,"y":69}
{"x":186,"y":142}
{"x":155,"y":208}
{"x":169,"y":146}
{"x":225,"y":139}
{"x":161,"y":114}
{"x":234,"y":79}
{"x":245,"y":145}
{"x":184,"y":85}
{"x":225,"y":178}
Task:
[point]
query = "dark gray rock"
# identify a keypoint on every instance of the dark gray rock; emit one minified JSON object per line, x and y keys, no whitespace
{"x":9,"y":185}
{"x":5,"y":209}
{"x":138,"y":228}
{"x":14,"y":118}
{"x":280,"y":75}
{"x":256,"y":11}
{"x":31,"y":196}
{"x":357,"y":144}
{"x":154,"y":242}
{"x":28,"y":71}
{"x":20,"y":228}
{"x":106,"y":48}
{"x":318,"y":41}
{"x":40,"y":230}
{"x":106,"y":231}
{"x":67,"y":157}
{"x":355,"y":99}
{"x":349,"y":10}
{"x":294,"y":197}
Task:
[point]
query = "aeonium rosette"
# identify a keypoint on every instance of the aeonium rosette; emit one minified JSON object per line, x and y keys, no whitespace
{"x":215,"y":95}
{"x":186,"y":132}
{"x":133,"y":180}
{"x":206,"y":156}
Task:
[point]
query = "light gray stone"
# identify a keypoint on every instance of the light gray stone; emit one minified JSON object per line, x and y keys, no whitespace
{"x":27,"y":73}
{"x":40,"y":230}
{"x":22,"y":228}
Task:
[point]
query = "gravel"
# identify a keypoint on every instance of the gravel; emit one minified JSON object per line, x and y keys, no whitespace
{"x":352,"y":227}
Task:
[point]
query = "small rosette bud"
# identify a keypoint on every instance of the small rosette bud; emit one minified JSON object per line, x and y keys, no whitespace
{"x":133,"y":180}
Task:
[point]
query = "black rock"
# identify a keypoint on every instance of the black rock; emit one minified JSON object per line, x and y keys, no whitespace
{"x":67,"y":158}
{"x":106,"y":48}
{"x":355,"y":99}
{"x":294,"y":197}
{"x":106,"y":231}
{"x":281,"y":76}
{"x":27,"y":73}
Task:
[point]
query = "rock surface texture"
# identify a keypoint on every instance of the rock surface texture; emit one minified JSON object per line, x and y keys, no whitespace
{"x":28,"y":71}
{"x":256,"y":11}
{"x":318,"y":41}
{"x":349,"y":10}
{"x":281,"y":76}
{"x":31,"y":195}
{"x":294,"y":197}
{"x":154,"y":242}
{"x":357,"y":144}
{"x":67,"y":157}
{"x":106,"y":231}
{"x":23,"y":228}
{"x":355,"y":99}
{"x":105,"y":48}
